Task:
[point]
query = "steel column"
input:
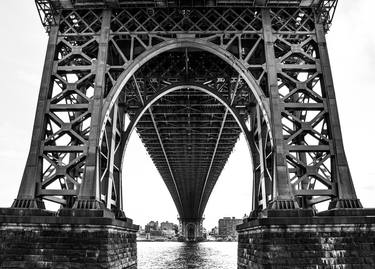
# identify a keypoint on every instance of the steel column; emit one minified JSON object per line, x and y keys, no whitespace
{"x":346,"y":195}
{"x":282,"y":192}
{"x":89,"y":195}
{"x":31,"y":177}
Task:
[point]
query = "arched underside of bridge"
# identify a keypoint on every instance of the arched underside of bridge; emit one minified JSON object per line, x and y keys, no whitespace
{"x":188,"y":107}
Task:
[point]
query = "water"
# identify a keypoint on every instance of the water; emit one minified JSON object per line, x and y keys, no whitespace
{"x":177,"y":255}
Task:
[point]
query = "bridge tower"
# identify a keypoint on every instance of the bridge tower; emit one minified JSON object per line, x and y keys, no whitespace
{"x":191,"y":230}
{"x":189,"y":77}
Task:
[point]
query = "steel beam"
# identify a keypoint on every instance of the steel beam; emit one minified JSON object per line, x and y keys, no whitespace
{"x":345,"y":187}
{"x":90,"y":190}
{"x":161,"y":144}
{"x":233,"y":96}
{"x":281,"y":190}
{"x":31,"y":176}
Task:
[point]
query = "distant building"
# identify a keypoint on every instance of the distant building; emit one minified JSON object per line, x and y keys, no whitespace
{"x":140,"y":231}
{"x":168,"y":229}
{"x":214,"y":231}
{"x":156,"y":233}
{"x":152,"y":226}
{"x":168,"y":233}
{"x":167,"y":225}
{"x":227,"y":226}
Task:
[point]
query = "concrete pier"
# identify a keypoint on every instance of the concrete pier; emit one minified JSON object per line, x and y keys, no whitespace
{"x":40,"y":239}
{"x":337,"y":239}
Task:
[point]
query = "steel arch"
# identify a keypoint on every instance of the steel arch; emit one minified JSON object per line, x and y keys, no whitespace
{"x":174,"y":87}
{"x":133,"y":66}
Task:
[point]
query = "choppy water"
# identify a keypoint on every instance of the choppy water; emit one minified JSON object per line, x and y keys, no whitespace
{"x":177,"y":255}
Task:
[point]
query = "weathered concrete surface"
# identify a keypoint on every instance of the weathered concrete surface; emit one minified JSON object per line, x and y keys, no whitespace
{"x":48,"y":241}
{"x":326,"y":241}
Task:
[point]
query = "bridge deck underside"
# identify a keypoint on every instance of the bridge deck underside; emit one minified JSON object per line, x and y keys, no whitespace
{"x":187,"y":132}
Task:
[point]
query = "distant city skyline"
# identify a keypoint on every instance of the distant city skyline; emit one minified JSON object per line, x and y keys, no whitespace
{"x":351,"y":43}
{"x":161,"y":221}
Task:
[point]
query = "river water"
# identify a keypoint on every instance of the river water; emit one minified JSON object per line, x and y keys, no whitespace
{"x":178,"y":255}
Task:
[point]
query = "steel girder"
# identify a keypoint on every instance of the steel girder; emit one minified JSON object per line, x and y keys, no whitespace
{"x":269,"y":66}
{"x":48,"y":9}
{"x":191,"y":168}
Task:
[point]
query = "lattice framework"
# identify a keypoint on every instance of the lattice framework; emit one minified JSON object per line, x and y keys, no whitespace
{"x":294,"y":135}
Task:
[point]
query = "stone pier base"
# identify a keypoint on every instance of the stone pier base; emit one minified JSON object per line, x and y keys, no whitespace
{"x":331,"y":240}
{"x":41,"y":240}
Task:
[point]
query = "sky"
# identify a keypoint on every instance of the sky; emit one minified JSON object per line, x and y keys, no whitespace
{"x":351,"y":43}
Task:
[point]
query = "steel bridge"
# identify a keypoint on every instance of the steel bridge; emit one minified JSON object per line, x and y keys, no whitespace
{"x":189,"y":77}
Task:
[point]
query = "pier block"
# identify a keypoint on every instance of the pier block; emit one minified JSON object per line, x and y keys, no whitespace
{"x":40,"y":239}
{"x":331,"y":240}
{"x":191,"y":230}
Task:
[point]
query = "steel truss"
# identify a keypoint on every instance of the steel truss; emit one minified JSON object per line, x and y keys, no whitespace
{"x":206,"y":72}
{"x":325,"y":9}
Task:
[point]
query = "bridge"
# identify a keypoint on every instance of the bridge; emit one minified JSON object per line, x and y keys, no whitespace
{"x":189,"y":77}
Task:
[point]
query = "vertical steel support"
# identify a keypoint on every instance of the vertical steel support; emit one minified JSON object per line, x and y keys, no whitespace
{"x":31,"y":177}
{"x":108,"y":185}
{"x":346,"y":196}
{"x":112,"y":152}
{"x":256,"y":173}
{"x":283,"y":197}
{"x":113,"y":146}
{"x":117,"y":161}
{"x":89,"y":195}
{"x":262,"y":158}
{"x":259,"y":163}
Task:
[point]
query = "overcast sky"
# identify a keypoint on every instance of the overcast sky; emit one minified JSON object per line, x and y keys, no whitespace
{"x":351,"y":42}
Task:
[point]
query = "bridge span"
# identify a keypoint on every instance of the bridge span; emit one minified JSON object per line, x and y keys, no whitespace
{"x":188,"y":77}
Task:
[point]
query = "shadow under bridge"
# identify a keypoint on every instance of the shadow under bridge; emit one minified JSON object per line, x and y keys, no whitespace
{"x":188,"y":107}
